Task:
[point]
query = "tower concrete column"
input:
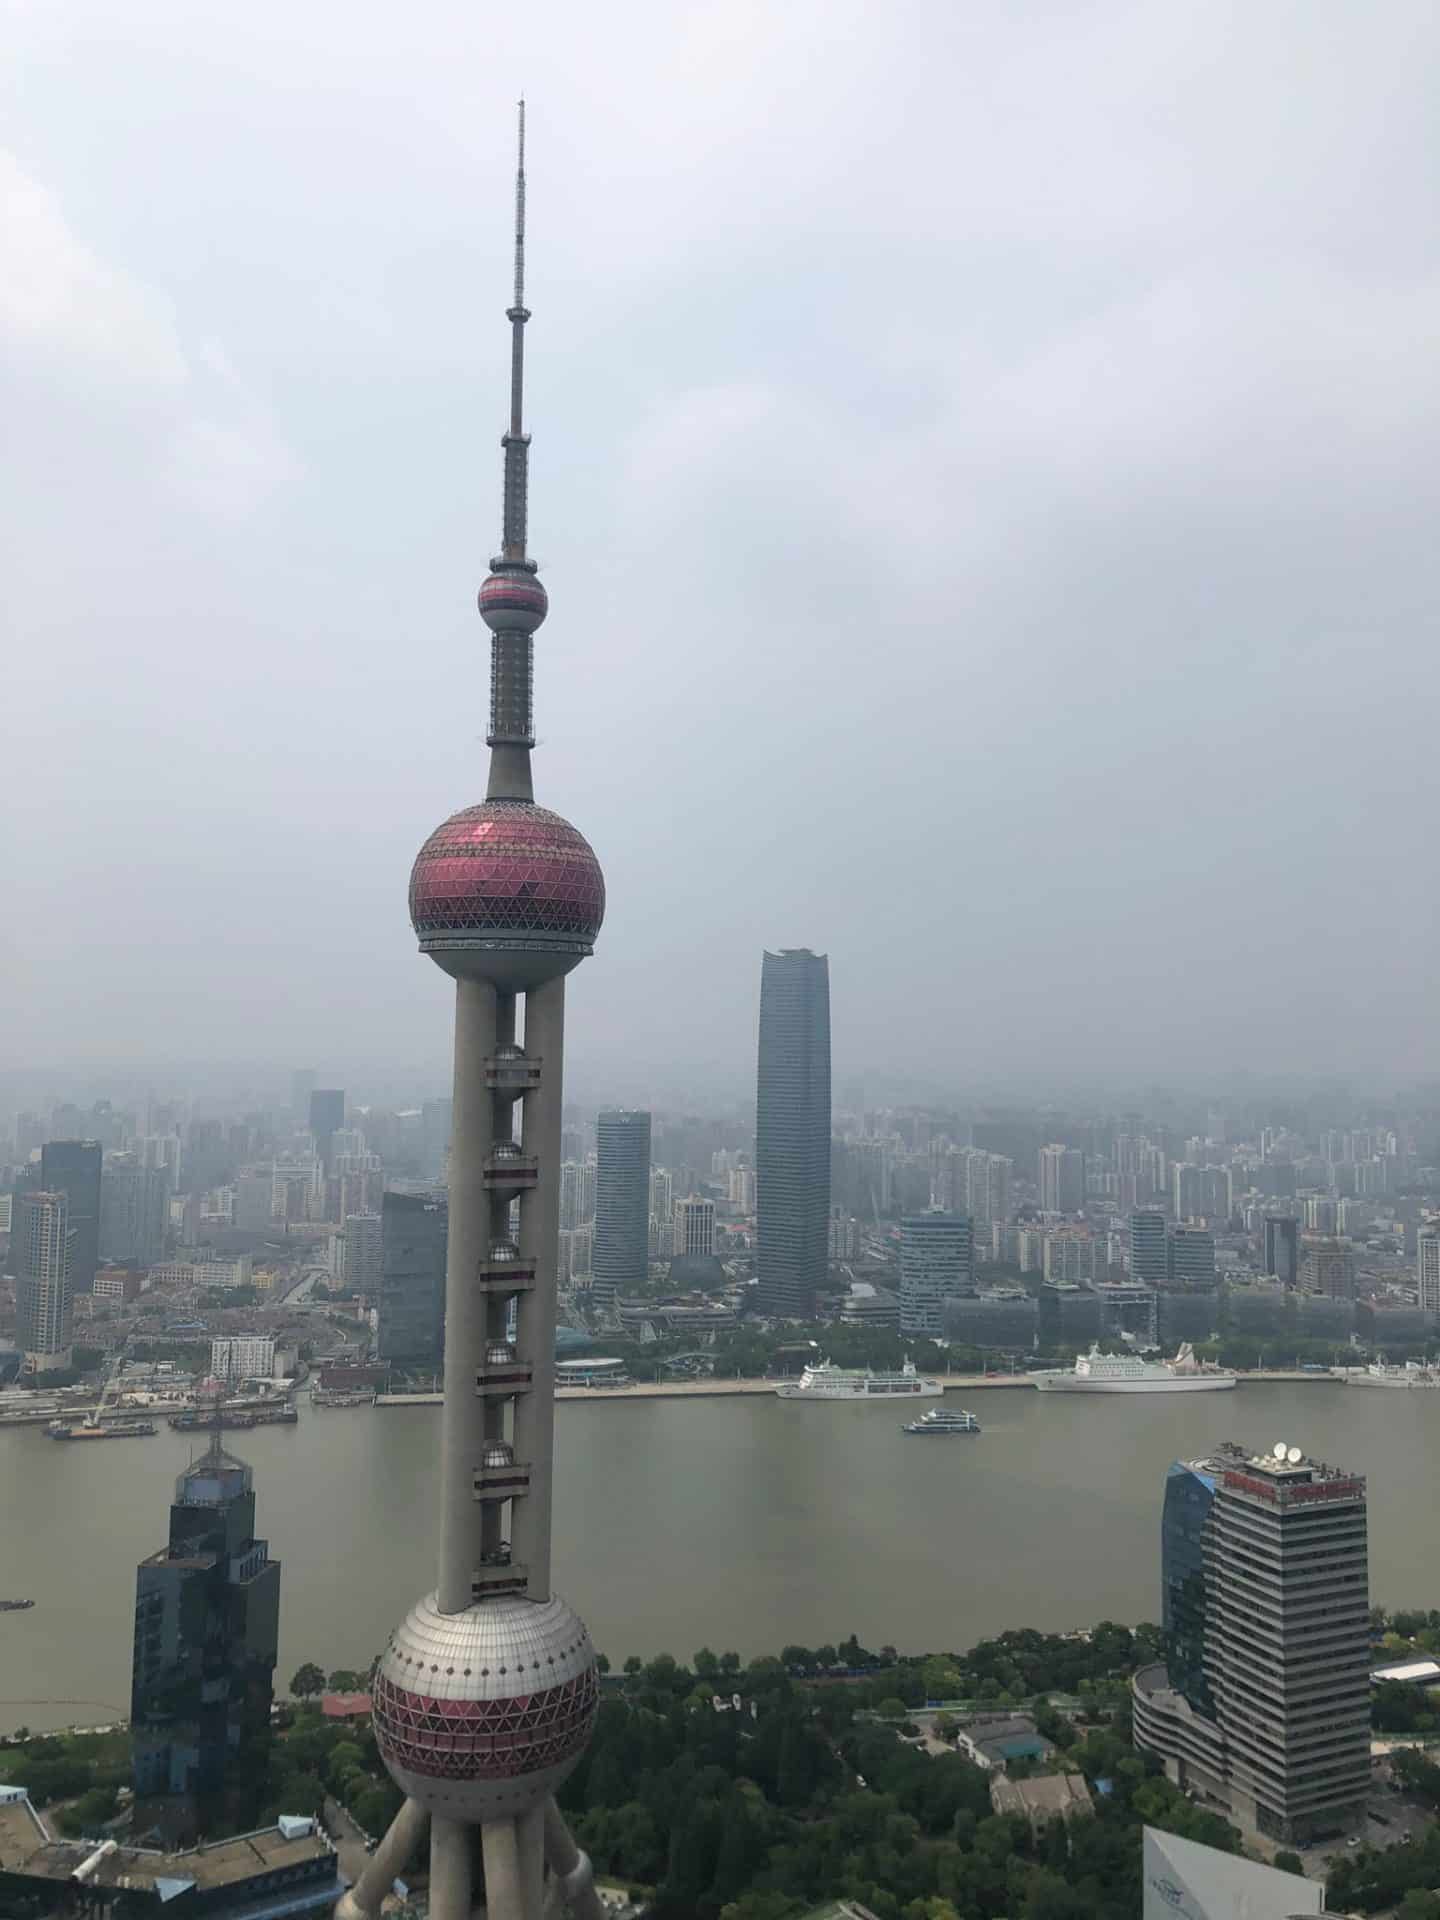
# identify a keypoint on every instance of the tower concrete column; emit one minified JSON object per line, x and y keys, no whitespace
{"x":452,"y":1869}
{"x":462,"y":1427}
{"x":540,"y":1242}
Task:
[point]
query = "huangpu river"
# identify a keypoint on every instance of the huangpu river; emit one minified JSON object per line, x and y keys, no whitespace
{"x":746,"y":1522}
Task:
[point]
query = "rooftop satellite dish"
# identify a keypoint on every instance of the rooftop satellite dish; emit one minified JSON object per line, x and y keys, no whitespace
{"x":1278,"y":1450}
{"x":1293,"y":1456}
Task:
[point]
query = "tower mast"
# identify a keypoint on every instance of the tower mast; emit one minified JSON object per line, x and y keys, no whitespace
{"x":486,"y":1694}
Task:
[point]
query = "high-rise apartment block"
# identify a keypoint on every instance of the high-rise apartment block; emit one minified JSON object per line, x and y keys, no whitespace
{"x":792,"y":1132}
{"x":577,"y":1194}
{"x":1264,"y":1701}
{"x":414,"y":1240}
{"x":207,"y":1631}
{"x":620,"y":1253}
{"x":1062,"y":1179}
{"x":937,"y":1262}
{"x":1280,"y":1248}
{"x":694,"y":1227}
{"x":72,"y":1167}
{"x":364,"y":1256}
{"x":41,"y":1258}
{"x":1328,"y":1267}
{"x":1427,"y":1270}
{"x":243,"y":1356}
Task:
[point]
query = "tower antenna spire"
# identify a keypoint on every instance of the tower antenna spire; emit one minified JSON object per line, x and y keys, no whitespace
{"x":517,"y":441}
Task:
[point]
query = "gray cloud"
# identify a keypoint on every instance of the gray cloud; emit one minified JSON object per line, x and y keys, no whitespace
{"x":984,"y":471}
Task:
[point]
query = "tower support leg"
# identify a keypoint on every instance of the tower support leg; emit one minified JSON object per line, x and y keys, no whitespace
{"x":504,"y":1892}
{"x":571,"y":1867}
{"x":452,"y":1875}
{"x":394,"y":1853}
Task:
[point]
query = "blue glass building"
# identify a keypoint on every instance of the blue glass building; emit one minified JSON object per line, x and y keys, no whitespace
{"x":1189,"y":1498}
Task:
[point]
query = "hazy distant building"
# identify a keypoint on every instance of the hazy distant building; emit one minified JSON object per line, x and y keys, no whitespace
{"x":1150,"y":1249}
{"x":792,"y":1132}
{"x":937,"y":1260}
{"x":134,"y":1212}
{"x":1427,"y":1270}
{"x":364,"y":1257}
{"x":1192,"y":1257}
{"x":1280,"y":1248}
{"x":414,"y":1240}
{"x":620,"y":1251}
{"x":327,"y":1117}
{"x":694,"y":1227}
{"x":40,"y":1254}
{"x":1328,"y":1266}
{"x":1062,"y":1179}
{"x":72,"y":1167}
{"x":207,"y":1628}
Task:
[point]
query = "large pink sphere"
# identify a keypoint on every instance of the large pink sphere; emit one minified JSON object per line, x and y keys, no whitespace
{"x":513,"y":601}
{"x":484,"y":1713}
{"x":507,"y":891}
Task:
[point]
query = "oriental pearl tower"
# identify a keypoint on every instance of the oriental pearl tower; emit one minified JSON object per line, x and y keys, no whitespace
{"x":486,"y":1694}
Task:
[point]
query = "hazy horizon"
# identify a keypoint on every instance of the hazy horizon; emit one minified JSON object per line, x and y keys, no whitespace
{"x":984,"y":474}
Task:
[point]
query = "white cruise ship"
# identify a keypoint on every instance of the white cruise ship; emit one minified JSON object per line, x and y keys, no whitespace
{"x":1097,"y":1372}
{"x":824,"y":1382}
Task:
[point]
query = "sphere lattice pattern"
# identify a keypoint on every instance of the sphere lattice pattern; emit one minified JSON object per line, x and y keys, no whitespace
{"x":486,"y":1711}
{"x":507,"y":873}
{"x":513,"y":602}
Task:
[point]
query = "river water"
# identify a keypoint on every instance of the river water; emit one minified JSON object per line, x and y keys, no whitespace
{"x":746,"y":1523}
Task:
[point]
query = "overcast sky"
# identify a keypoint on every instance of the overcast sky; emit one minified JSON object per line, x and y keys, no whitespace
{"x":984,"y":472}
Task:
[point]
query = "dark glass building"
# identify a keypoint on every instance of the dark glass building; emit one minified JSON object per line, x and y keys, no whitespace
{"x":792,"y":1132}
{"x":207,"y":1626}
{"x":1189,"y":1496}
{"x":1281,"y":1250}
{"x":620,"y":1254}
{"x":1149,"y":1248}
{"x":327,"y":1116}
{"x":414,"y":1242}
{"x":72,"y":1167}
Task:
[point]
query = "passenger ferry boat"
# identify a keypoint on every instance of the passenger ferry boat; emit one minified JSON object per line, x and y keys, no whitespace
{"x":943,"y":1420}
{"x":824,"y":1382}
{"x":1097,"y":1372}
{"x":1414,"y":1373}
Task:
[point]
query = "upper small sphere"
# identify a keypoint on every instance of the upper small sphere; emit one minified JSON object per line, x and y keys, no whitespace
{"x":507,"y":892}
{"x":513,"y":601}
{"x":483,"y":1713}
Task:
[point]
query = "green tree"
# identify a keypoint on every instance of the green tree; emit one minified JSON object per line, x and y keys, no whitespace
{"x":345,"y":1758}
{"x":308,"y":1681}
{"x":344,"y":1680}
{"x":729,"y":1663}
{"x":705,"y":1663}
{"x":1289,"y":1862}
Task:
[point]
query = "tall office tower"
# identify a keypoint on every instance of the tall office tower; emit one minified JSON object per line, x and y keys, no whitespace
{"x":620,"y":1254}
{"x":1192,"y":1257}
{"x":1280,"y":1248}
{"x":207,"y":1630}
{"x":937,"y":1262}
{"x":134,"y":1212}
{"x":1264,"y":1702}
{"x":1150,"y":1249}
{"x":43,"y":1247}
{"x":792,"y":1132}
{"x":414,"y":1248}
{"x":327,"y":1117}
{"x":694,"y":1227}
{"x":1328,"y":1267}
{"x":365,"y":1253}
{"x":72,"y":1167}
{"x":486,"y":1694}
{"x":435,"y":1119}
{"x":359,"y":1183}
{"x":1062,"y":1179}
{"x":302,"y":1085}
{"x":1427,"y":1270}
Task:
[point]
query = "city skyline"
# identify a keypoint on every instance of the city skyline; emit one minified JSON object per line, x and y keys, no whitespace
{"x":1151,"y":433}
